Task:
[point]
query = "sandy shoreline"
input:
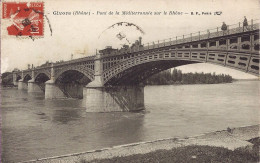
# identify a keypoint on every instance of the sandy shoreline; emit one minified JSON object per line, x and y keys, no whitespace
{"x":236,"y":138}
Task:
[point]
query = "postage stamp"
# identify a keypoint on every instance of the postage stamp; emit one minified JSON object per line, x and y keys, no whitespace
{"x":26,"y":18}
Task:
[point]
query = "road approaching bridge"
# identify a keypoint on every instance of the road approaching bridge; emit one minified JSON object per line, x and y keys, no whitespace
{"x":110,"y":80}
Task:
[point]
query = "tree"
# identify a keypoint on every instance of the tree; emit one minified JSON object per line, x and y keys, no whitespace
{"x":166,"y":77}
{"x":179,"y":75}
{"x":174,"y":74}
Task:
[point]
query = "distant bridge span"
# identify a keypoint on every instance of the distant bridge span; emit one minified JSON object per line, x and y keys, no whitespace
{"x":236,"y":48}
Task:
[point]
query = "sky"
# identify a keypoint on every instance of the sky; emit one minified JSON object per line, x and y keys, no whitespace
{"x":82,"y":35}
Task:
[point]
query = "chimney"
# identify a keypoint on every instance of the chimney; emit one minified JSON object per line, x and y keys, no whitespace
{"x":140,"y":40}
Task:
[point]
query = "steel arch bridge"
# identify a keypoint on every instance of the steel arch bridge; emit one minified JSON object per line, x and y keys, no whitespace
{"x":236,"y":48}
{"x":110,"y":79}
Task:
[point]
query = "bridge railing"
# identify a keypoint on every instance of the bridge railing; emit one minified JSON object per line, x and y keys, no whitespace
{"x":196,"y":36}
{"x":88,"y":58}
{"x":201,"y":35}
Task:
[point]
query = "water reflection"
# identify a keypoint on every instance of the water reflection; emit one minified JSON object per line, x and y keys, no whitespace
{"x":63,"y":103}
{"x":65,"y":115}
{"x":36,"y":95}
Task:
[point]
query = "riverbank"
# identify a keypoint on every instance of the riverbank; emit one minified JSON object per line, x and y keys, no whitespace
{"x":192,"y":153}
{"x":224,"y":141}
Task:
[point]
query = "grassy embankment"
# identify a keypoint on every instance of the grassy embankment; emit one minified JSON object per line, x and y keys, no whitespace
{"x":192,"y":153}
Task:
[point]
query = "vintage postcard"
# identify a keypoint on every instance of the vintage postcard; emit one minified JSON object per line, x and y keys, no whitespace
{"x":129,"y":81}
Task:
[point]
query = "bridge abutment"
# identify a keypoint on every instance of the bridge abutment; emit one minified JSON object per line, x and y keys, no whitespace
{"x":52,"y":91}
{"x":111,"y":99}
{"x":33,"y":87}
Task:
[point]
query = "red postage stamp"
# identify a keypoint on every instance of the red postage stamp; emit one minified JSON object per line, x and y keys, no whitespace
{"x":27,"y":18}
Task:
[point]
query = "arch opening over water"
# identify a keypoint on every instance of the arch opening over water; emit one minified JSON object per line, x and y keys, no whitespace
{"x":71,"y":82}
{"x":137,"y":74}
{"x":27,"y":78}
{"x":40,"y":80}
{"x":18,"y":77}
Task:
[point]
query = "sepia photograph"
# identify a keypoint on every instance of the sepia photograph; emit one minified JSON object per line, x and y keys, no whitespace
{"x":128,"y":81}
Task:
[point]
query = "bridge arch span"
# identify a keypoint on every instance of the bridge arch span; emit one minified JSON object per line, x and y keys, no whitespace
{"x":133,"y":75}
{"x":73,"y":75}
{"x":27,"y":77}
{"x":45,"y":72}
{"x":42,"y":77}
{"x":60,"y":72}
{"x":130,"y":70}
{"x":18,"y":77}
{"x":71,"y":83}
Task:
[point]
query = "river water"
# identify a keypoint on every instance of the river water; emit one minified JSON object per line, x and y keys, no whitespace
{"x":33,"y":127}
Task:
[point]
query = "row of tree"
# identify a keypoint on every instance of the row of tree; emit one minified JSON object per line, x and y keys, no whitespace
{"x":177,"y":77}
{"x":6,"y":79}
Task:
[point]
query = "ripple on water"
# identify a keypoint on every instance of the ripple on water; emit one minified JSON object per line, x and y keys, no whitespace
{"x":33,"y":127}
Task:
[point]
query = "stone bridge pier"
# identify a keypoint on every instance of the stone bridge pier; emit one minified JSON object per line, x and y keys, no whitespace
{"x":14,"y":79}
{"x":32,"y":85}
{"x":22,"y":85}
{"x":100,"y":98}
{"x":52,"y":91}
{"x":117,"y":98}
